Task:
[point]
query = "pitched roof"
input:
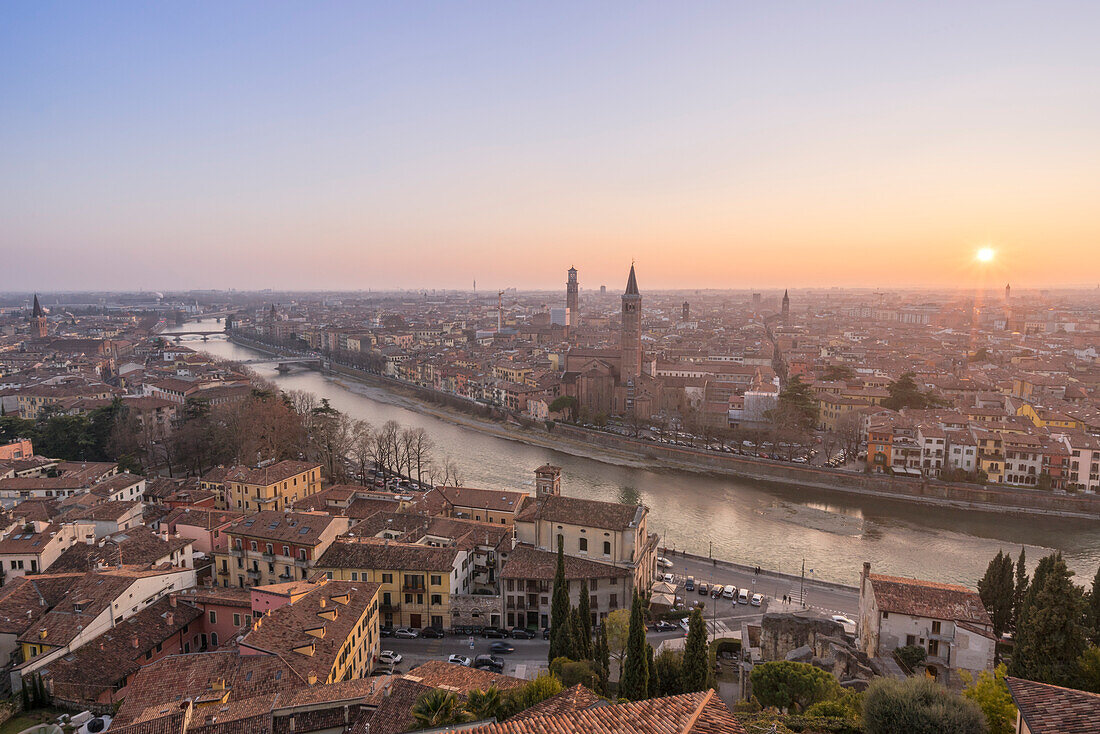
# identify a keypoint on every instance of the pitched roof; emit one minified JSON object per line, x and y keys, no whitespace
{"x":928,"y":599}
{"x":460,"y":679}
{"x":572,"y":699}
{"x":301,"y":528}
{"x":194,"y":675}
{"x":1048,"y":709}
{"x":500,"y":500}
{"x":279,"y":472}
{"x":632,"y":283}
{"x":377,"y":554}
{"x":333,"y":609}
{"x":394,"y":712}
{"x":139,"y":546}
{"x":114,"y":655}
{"x":576,"y":511}
{"x":690,"y":713}
{"x":525,"y":562}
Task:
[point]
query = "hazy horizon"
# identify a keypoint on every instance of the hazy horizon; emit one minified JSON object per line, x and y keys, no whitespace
{"x":415,"y":146}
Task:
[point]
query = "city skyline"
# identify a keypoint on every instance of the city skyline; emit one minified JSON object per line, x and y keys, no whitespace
{"x":426,"y":146}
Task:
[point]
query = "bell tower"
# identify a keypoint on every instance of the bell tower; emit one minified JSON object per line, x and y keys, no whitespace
{"x":630,"y":341}
{"x":38,"y":319}
{"x":547,"y":480}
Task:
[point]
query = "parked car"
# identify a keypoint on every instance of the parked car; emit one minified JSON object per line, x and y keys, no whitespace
{"x":689,"y":585}
{"x":389,"y":657}
{"x":664,"y":562}
{"x":383,"y":670}
{"x":406,"y":633}
{"x":667,"y":578}
{"x":489,"y":662}
{"x":502,"y":647}
{"x":716,"y":592}
{"x":433,"y":633}
{"x":730,"y":591}
{"x":665,"y":626}
{"x":386,"y":631}
{"x":522,"y":633}
{"x":704,"y":588}
{"x":685,"y":624}
{"x":757,"y":599}
{"x":494,"y":632}
{"x":546,"y":633}
{"x":743,"y":596}
{"x":459,"y":660}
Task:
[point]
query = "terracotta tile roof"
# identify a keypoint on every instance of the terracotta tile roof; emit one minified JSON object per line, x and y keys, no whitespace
{"x":195,"y":675}
{"x":108,"y":659}
{"x":928,"y":599}
{"x":269,"y":474}
{"x":497,"y":500}
{"x":140,"y":547}
{"x":34,"y":594}
{"x":576,"y":511}
{"x":85,"y":598}
{"x":229,"y":596}
{"x":203,"y":517}
{"x":525,"y":562}
{"x":690,"y":713}
{"x":36,"y":509}
{"x":378,"y":554}
{"x":170,"y":723}
{"x":394,"y":712}
{"x":460,"y":679}
{"x":572,"y":699}
{"x":103,"y":511}
{"x":302,"y":528}
{"x":282,"y":631}
{"x":1048,"y":709}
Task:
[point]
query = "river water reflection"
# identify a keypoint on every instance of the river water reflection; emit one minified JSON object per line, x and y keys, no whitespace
{"x":773,"y":526}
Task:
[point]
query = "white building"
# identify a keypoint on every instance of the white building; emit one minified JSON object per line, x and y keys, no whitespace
{"x":948,"y":621}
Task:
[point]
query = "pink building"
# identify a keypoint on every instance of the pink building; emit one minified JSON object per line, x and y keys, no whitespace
{"x":204,"y":525}
{"x":18,"y":449}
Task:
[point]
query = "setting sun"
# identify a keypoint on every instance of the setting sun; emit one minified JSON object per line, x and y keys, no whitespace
{"x":985,"y":254}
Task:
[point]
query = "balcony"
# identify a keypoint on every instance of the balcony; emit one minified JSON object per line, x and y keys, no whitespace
{"x":253,"y":573}
{"x":414,"y":590}
{"x":389,"y":607}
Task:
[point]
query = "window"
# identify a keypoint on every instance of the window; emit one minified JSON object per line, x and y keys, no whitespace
{"x":302,"y":554}
{"x":236,"y":620}
{"x":270,"y":549}
{"x":437,"y":599}
{"x":252,"y":544}
{"x":354,"y":575}
{"x":213,"y":639}
{"x":607,"y":548}
{"x":437,"y":580}
{"x":387,"y":578}
{"x":935,"y":627}
{"x":213,"y":617}
{"x":286,"y":550}
{"x":582,"y":545}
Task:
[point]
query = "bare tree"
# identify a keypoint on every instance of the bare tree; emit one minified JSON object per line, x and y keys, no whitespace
{"x":420,"y":451}
{"x":450,"y":476}
{"x":362,"y":448}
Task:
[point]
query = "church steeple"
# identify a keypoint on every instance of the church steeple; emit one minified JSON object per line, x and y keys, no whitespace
{"x":38,"y":319}
{"x":632,"y":283}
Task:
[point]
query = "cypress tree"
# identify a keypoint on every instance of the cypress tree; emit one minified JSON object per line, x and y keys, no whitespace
{"x":1021,"y":587}
{"x":559,"y":610}
{"x":26,"y":696}
{"x":997,"y":591}
{"x":1094,"y":609}
{"x":654,"y":684}
{"x":584,"y":612}
{"x":694,"y":675}
{"x":573,"y":651}
{"x":1050,"y":636}
{"x":603,"y":657}
{"x":634,"y":683}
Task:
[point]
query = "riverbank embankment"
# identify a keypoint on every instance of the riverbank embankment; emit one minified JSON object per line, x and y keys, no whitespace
{"x":620,"y":450}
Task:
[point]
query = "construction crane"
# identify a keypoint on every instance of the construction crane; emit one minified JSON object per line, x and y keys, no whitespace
{"x":500,"y":310}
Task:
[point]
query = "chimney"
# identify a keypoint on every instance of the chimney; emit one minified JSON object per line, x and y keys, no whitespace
{"x":863,"y":577}
{"x":322,"y":602}
{"x":172,"y":601}
{"x":312,"y":677}
{"x":171,"y":618}
{"x":136,"y":642}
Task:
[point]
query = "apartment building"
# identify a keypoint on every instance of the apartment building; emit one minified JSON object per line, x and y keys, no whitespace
{"x":272,"y":547}
{"x":275,"y":487}
{"x":416,"y":582}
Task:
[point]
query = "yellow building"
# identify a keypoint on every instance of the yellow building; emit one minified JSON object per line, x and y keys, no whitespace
{"x":275,"y":547}
{"x":991,"y":457}
{"x":832,"y":408}
{"x":327,"y":635}
{"x":1046,"y":418}
{"x":275,"y":487}
{"x":415,"y":581}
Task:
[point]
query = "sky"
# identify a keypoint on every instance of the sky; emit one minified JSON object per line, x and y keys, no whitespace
{"x":335,"y":145}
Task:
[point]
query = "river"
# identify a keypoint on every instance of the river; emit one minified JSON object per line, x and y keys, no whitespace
{"x":755,"y":523}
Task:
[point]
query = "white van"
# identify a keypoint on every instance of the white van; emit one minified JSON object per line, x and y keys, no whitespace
{"x":743,"y":596}
{"x":730,"y":591}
